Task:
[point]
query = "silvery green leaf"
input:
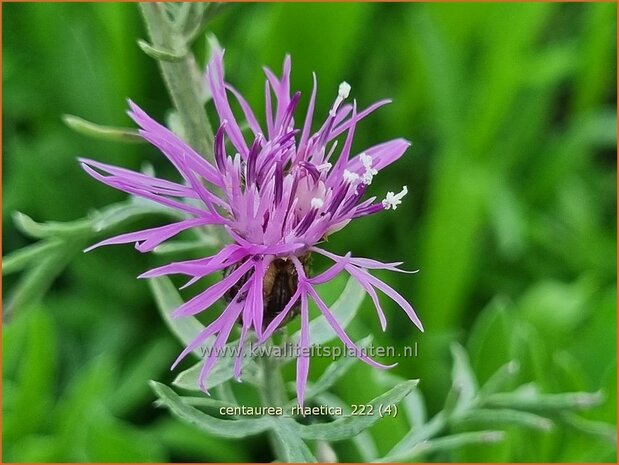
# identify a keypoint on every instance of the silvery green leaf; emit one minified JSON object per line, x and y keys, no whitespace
{"x":464,"y":384}
{"x":364,"y":442}
{"x":160,"y":53}
{"x":413,"y":404}
{"x":291,"y":447}
{"x":116,"y":214}
{"x":604,"y":430}
{"x":52,"y":228}
{"x":532,"y":400}
{"x":419,"y":435}
{"x":349,"y":426}
{"x":503,"y":417}
{"x":19,"y":259}
{"x":201,"y":401}
{"x":500,"y":379}
{"x":222,"y":371}
{"x":98,"y":131}
{"x":207,"y":423}
{"x":453,"y":442}
{"x":186,"y":329}
{"x":186,"y":246}
{"x":344,"y":310}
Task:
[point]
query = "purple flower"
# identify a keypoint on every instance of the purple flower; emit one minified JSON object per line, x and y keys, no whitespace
{"x":278,"y":198}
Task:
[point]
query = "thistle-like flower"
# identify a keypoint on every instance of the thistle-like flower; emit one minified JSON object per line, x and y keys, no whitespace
{"x":278,"y":198}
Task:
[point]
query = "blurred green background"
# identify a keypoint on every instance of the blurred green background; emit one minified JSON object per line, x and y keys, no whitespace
{"x":510,"y":217}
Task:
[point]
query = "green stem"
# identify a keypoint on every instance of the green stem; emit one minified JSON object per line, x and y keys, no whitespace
{"x":181,"y":77}
{"x":273,"y":393}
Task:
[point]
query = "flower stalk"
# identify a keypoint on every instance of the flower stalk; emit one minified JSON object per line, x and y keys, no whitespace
{"x":181,"y":76}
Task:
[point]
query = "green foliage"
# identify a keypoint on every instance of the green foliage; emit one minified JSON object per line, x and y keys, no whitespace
{"x":510,"y":219}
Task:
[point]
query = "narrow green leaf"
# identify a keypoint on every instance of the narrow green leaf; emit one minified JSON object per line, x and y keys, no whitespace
{"x":53,"y":228}
{"x":223,"y":371}
{"x":98,"y":131}
{"x":186,"y":329}
{"x":500,"y":379}
{"x":350,"y":426}
{"x":291,"y":447}
{"x":117,"y":214}
{"x":528,"y":399}
{"x":453,"y":442}
{"x":364,"y":442}
{"x":344,"y":310}
{"x":203,"y":401}
{"x":21,"y":258}
{"x":160,"y":53}
{"x":186,"y":246}
{"x":604,"y":430}
{"x":207,"y":423}
{"x":420,"y":435}
{"x":503,"y":417}
{"x":414,"y":405}
{"x":464,"y":384}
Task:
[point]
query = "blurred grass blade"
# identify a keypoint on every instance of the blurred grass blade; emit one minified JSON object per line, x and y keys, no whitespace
{"x":37,"y":280}
{"x":348,"y":427}
{"x":149,"y":362}
{"x":464,"y":384}
{"x":208,"y":424}
{"x":344,"y":310}
{"x":97,"y":131}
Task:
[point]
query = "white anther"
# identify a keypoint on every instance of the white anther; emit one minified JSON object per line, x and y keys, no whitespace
{"x":324,"y":167}
{"x":344,"y":90}
{"x":393,"y":200}
{"x":342,"y":93}
{"x":366,"y":160}
{"x":370,"y":172}
{"x":350,"y":176}
{"x":366,"y":178}
{"x":317,"y":202}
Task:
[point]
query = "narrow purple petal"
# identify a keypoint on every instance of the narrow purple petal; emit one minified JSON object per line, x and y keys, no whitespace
{"x":235,"y":309}
{"x":249,"y":114}
{"x":304,"y":345}
{"x":147,"y":239}
{"x":341,"y":333}
{"x":388,"y":290}
{"x":207,"y":298}
{"x":217,"y":86}
{"x":382,"y":155}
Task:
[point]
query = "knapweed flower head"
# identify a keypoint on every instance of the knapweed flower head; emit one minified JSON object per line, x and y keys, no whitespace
{"x":278,"y":195}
